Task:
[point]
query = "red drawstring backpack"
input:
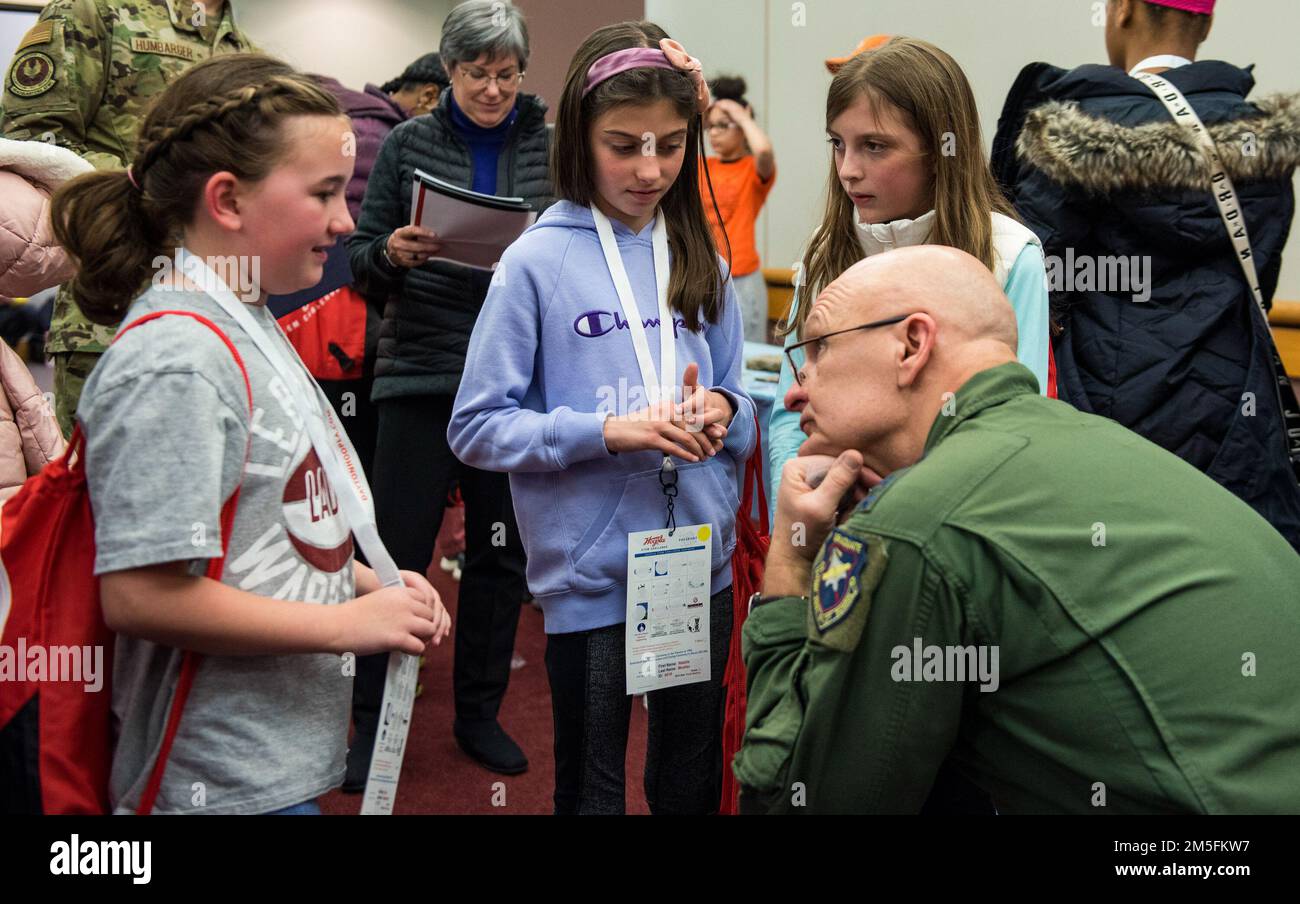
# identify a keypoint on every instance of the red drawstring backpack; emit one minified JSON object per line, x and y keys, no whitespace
{"x":1051,"y":372}
{"x":329,"y":334}
{"x":746,"y":579}
{"x":56,"y":738}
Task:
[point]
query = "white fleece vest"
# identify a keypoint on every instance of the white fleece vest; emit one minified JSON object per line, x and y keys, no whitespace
{"x":1009,"y":239}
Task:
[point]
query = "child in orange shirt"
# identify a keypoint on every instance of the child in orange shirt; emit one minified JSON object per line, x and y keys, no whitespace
{"x":742,"y":173}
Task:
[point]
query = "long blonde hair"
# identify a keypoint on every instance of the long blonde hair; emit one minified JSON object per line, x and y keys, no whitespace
{"x":933,"y":97}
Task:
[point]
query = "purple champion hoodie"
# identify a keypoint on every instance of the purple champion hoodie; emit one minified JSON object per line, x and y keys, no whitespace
{"x":549,"y":358}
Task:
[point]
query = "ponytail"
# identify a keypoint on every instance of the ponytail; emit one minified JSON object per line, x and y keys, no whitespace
{"x":222,"y":115}
{"x":99,"y":218}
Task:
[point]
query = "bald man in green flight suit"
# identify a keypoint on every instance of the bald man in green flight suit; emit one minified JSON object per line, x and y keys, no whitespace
{"x":1035,"y":599}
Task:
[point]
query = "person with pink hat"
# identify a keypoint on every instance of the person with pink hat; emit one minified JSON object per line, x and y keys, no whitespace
{"x":1159,"y":286}
{"x":1141,"y":33}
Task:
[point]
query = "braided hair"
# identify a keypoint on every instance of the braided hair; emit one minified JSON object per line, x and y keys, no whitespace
{"x":222,"y":115}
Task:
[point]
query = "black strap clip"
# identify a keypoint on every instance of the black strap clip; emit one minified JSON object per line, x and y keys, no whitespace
{"x":668,"y":482}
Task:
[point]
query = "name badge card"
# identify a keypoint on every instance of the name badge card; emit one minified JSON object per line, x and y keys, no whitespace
{"x":667,"y":639}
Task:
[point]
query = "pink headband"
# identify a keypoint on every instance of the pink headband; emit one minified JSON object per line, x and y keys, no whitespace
{"x":669,"y":55}
{"x":611,"y":64}
{"x":1204,"y":7}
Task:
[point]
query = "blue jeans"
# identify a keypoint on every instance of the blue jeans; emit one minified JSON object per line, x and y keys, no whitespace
{"x":306,"y":808}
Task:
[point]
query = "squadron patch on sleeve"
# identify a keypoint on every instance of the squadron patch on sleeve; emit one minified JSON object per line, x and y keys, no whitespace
{"x":32,"y":74}
{"x":844,"y":579}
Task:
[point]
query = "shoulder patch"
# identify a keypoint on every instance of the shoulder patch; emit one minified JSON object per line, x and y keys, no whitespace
{"x":40,"y":33}
{"x":32,"y":74}
{"x":844,"y":579}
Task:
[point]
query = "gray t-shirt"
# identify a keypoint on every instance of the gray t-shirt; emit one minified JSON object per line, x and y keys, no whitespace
{"x":166,"y":421}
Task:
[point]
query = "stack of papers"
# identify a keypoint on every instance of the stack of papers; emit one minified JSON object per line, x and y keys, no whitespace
{"x":475,"y":229}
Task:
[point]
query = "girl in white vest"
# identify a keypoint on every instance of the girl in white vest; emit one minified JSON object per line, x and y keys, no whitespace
{"x":908,"y":168}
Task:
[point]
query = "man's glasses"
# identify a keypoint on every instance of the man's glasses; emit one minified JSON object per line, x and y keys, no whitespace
{"x":789,"y":352}
{"x":478,"y":79}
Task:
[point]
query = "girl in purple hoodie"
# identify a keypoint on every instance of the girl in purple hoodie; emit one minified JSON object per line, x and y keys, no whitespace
{"x":556,"y":393}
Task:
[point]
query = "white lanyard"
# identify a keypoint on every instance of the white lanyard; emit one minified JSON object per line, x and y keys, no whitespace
{"x":654,"y":389}
{"x":349,"y":483}
{"x":1225,"y":195}
{"x":1160,"y":61}
{"x":331,"y":446}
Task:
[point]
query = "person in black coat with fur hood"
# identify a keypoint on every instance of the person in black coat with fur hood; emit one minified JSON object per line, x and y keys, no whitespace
{"x":1158,"y":328}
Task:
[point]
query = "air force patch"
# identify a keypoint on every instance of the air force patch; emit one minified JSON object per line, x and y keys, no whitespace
{"x":843,"y":580}
{"x":32,"y":74}
{"x":836,"y":579}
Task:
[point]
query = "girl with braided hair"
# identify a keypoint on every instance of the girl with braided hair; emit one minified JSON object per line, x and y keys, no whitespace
{"x":242,"y":160}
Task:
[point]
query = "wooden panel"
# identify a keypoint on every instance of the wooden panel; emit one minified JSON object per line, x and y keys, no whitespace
{"x":780,"y":289}
{"x":1285,"y":320}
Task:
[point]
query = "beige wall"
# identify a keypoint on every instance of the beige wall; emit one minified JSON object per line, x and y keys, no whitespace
{"x":778,"y":46}
{"x":991,"y":40}
{"x":359,"y":41}
{"x":555,"y":29}
{"x":355,"y":41}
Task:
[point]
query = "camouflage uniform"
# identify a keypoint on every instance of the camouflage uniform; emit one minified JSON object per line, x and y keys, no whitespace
{"x":82,"y":78}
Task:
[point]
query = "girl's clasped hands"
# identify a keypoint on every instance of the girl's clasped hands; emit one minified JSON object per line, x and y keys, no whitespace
{"x":692,"y":429}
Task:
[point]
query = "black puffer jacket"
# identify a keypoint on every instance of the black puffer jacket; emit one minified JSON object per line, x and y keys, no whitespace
{"x":431,"y":309}
{"x":1097,"y":168}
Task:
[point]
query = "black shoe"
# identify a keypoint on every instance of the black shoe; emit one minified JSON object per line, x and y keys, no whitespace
{"x":358,"y":764}
{"x":488,"y":744}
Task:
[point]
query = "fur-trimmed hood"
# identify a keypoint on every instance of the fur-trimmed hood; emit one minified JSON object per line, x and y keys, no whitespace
{"x":1101,"y":156}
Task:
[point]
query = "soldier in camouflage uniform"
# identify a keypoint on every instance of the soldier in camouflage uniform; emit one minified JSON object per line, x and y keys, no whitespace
{"x":82,"y":78}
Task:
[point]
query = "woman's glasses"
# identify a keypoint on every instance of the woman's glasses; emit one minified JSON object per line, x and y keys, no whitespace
{"x":478,"y":79}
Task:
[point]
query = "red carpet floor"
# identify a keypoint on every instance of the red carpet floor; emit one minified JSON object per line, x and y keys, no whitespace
{"x":438,"y":778}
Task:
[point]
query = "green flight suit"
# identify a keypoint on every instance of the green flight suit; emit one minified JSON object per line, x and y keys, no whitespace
{"x":1145,"y":623}
{"x":82,"y":78}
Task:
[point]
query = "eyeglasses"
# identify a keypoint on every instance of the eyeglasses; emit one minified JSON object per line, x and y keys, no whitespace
{"x":799,"y":375}
{"x":720,"y":126}
{"x":478,"y":79}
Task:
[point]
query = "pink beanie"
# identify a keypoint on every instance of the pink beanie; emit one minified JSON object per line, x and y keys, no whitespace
{"x":1205,"y":7}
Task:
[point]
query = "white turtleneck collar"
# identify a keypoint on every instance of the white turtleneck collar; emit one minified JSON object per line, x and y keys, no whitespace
{"x":1009,"y":238}
{"x":878,"y":237}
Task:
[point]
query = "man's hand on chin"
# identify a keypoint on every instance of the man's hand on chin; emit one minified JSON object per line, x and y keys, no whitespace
{"x":867,"y":478}
{"x":812,"y":494}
